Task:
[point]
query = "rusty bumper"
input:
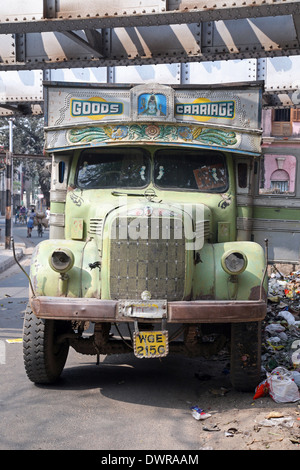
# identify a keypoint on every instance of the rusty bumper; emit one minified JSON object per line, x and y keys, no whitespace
{"x":198,"y":311}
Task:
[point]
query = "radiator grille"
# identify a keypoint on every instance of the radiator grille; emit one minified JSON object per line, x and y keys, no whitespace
{"x":154,"y":263}
{"x":96,"y":227}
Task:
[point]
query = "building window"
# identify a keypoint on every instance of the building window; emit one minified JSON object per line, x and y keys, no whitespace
{"x":279,"y":182}
{"x":277,"y":175}
{"x":295,"y":114}
{"x":279,"y":187}
{"x":282,"y":115}
{"x":281,"y":124}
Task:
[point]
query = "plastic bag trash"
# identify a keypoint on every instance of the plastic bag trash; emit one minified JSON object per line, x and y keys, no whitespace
{"x":287,"y":422}
{"x":274,"y":343}
{"x":274,"y":339}
{"x":296,"y":357}
{"x":201,"y":416}
{"x":282,"y":283}
{"x":288,"y":316}
{"x":283,"y":336}
{"x":273,"y":298}
{"x":262,"y":390}
{"x":296,"y":377}
{"x":274,"y":328}
{"x":282,"y":387}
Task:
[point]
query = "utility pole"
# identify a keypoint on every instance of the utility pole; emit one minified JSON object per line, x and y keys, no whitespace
{"x":9,"y":185}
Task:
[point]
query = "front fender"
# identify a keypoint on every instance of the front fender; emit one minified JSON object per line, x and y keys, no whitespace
{"x":82,"y":280}
{"x":212,"y":282}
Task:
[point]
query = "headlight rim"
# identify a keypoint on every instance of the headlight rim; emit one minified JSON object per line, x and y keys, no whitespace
{"x":70,"y":264}
{"x":226,"y":269}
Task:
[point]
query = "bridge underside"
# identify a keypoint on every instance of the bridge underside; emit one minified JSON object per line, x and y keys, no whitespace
{"x":56,"y":35}
{"x":69,"y":33}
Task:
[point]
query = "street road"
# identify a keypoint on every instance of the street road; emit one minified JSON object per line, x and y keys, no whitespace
{"x":124,"y":403}
{"x":121,"y":404}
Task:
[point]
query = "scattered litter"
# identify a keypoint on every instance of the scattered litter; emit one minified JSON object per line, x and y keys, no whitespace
{"x":231,"y":432}
{"x":211,"y":428}
{"x":262,"y":390}
{"x":289,"y":317}
{"x":219,"y":392}
{"x":274,"y":343}
{"x":199,"y":414}
{"x":273,"y":298}
{"x":281,"y":330}
{"x":274,"y":328}
{"x":296,"y":377}
{"x":280,"y":385}
{"x":274,"y":414}
{"x":287,"y":422}
{"x":295,"y":439}
{"x":283,"y":389}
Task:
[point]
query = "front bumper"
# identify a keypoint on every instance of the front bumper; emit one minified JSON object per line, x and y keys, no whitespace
{"x":198,"y":311}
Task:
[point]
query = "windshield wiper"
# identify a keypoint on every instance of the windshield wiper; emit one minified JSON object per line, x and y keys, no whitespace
{"x":149,"y":194}
{"x":119,"y":193}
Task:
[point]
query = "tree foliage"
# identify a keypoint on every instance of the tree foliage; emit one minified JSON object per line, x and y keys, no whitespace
{"x":28,"y":138}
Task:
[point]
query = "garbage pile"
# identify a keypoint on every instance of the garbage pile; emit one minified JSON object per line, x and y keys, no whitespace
{"x":281,"y":335}
{"x":281,"y":328}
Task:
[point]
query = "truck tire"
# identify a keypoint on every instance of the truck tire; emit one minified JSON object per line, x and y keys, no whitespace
{"x":245,"y":367}
{"x":44,"y":358}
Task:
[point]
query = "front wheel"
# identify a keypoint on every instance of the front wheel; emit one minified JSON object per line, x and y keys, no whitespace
{"x":44,"y":356}
{"x":245,"y":368}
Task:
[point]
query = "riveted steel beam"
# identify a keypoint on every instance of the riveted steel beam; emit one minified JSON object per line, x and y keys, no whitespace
{"x":74,"y":15}
{"x":91,"y":44}
{"x":195,"y":42}
{"x":69,"y":33}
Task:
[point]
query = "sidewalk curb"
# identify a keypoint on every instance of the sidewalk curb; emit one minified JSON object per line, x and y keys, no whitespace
{"x":7,"y":259}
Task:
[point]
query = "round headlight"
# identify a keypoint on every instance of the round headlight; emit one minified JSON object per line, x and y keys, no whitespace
{"x":234,"y":262}
{"x":61,"y":260}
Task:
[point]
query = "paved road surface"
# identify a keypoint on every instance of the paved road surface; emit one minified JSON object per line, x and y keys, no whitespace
{"x":124,"y":403}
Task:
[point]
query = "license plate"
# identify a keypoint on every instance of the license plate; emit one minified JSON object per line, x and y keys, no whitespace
{"x":151,"y":344}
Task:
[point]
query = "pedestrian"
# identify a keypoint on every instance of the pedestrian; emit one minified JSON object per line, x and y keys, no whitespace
{"x":22,"y":214}
{"x":17,"y":214}
{"x":30,"y":223}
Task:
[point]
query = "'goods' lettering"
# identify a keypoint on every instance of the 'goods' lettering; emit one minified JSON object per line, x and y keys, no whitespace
{"x":94,"y":108}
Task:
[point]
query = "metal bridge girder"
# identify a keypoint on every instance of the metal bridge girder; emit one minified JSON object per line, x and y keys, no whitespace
{"x":21,"y":92}
{"x":69,"y":33}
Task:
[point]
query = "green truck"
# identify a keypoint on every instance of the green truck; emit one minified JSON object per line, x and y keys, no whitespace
{"x":144,"y":248}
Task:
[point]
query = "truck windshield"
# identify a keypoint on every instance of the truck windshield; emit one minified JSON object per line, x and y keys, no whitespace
{"x":196,"y":170}
{"x":120,"y":167}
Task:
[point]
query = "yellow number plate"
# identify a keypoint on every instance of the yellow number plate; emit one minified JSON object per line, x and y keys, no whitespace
{"x":151,"y":344}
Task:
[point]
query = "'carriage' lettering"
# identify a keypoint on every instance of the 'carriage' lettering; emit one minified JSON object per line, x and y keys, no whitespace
{"x":219,"y":109}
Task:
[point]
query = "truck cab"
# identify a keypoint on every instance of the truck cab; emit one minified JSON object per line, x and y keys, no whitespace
{"x":146,"y":191}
